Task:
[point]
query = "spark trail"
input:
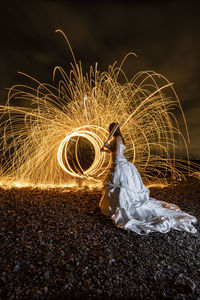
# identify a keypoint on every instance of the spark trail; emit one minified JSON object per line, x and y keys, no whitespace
{"x":55,"y":138}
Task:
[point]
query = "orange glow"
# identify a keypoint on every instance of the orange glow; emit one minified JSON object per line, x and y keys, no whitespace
{"x":45,"y":141}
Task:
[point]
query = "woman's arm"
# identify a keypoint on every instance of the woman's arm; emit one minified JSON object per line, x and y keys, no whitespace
{"x":108,"y":147}
{"x":103,"y":149}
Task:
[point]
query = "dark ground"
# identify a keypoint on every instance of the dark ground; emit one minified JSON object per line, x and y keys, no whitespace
{"x":56,"y":244}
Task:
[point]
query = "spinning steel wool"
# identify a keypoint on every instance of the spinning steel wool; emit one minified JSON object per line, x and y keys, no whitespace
{"x":57,"y":135}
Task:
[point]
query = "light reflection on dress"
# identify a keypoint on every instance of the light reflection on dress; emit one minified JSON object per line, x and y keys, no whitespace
{"x":126,"y":199}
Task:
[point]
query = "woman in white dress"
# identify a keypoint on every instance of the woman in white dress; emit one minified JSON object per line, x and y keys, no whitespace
{"x":126,"y":199}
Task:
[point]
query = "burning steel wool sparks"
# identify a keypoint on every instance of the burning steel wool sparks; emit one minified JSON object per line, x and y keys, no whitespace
{"x":57,"y":136}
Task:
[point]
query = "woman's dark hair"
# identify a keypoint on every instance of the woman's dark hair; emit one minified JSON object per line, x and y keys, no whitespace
{"x":117,"y":132}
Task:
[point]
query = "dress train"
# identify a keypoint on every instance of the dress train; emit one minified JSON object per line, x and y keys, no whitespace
{"x":127,"y":201}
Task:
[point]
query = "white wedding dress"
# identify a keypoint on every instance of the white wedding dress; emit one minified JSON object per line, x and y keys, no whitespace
{"x":127,"y":201}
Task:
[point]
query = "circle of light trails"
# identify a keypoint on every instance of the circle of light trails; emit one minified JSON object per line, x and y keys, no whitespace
{"x":99,"y":159}
{"x":36,"y":138}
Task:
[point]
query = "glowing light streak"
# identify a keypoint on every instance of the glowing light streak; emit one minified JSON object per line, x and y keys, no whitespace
{"x":85,"y":99}
{"x":46,"y":141}
{"x":112,"y":132}
{"x":99,"y":159}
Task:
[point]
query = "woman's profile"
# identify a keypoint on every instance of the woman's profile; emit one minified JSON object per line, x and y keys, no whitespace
{"x":127,"y":200}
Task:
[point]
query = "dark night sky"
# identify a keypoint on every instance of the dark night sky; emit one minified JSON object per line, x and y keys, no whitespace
{"x":164,"y":34}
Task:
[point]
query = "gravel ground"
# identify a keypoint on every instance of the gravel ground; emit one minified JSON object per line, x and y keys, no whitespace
{"x":56,"y":244}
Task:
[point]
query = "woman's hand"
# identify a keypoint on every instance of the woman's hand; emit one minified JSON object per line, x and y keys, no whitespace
{"x":103,"y":149}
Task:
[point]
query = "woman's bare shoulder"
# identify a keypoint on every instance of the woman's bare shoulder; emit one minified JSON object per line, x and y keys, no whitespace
{"x":119,"y":139}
